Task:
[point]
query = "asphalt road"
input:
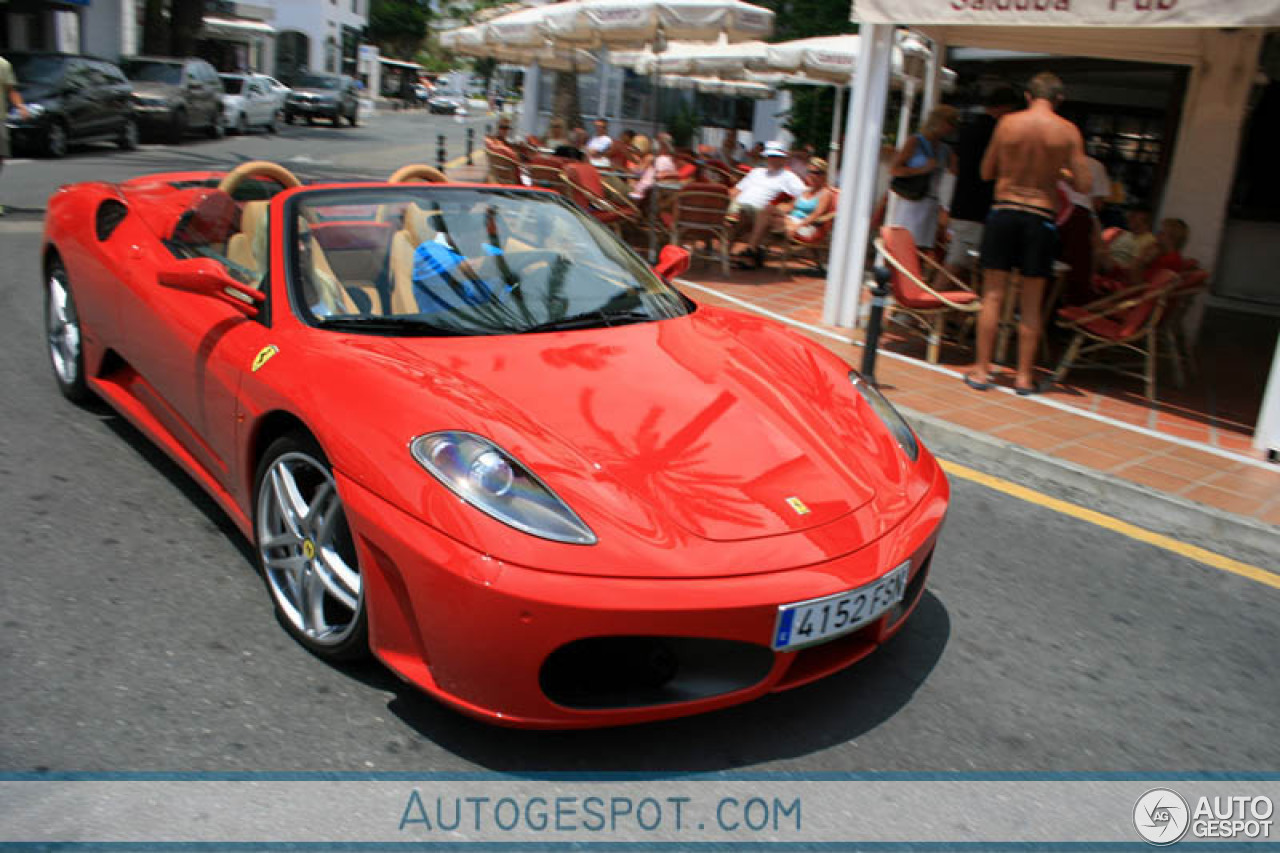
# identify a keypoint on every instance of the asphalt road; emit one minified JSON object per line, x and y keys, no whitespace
{"x":136,"y":635}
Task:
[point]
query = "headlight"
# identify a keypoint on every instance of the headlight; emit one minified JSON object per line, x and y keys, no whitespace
{"x":148,"y":100}
{"x":33,"y":111}
{"x":488,"y":478}
{"x":894,"y":421}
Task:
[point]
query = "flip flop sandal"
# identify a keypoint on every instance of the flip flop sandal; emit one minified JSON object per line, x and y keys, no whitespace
{"x":977,"y":384}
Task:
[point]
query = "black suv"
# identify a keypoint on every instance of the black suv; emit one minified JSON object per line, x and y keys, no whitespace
{"x":70,"y":99}
{"x":331,"y":96}
{"x":172,"y":95}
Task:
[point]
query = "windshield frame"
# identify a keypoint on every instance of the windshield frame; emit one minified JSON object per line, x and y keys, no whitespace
{"x":652,"y":285}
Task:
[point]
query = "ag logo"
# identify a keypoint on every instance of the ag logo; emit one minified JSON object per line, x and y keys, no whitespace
{"x":263,"y":356}
{"x":1161,"y":816}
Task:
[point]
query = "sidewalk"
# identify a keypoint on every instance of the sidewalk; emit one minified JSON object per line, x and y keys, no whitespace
{"x":1177,"y":467}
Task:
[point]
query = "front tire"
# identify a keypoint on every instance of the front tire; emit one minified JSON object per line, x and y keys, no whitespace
{"x":62,"y":322}
{"x":56,"y":140}
{"x":306,"y":551}
{"x":354,"y":118}
{"x":128,"y":139}
{"x":218,"y":128}
{"x":242,"y":125}
{"x":178,"y":127}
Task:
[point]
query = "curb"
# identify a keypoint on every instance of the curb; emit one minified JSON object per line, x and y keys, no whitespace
{"x":1222,"y":532}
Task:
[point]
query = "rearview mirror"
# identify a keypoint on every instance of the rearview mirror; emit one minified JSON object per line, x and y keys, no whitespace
{"x":672,"y":261}
{"x":207,"y":277}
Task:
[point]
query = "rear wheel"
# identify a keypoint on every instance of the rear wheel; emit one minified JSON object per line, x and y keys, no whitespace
{"x":288,"y":118}
{"x":307,"y":552}
{"x":217,"y":128}
{"x":128,"y":139}
{"x":354,"y":118}
{"x":62,"y":323}
{"x":242,"y":125}
{"x":273,"y":126}
{"x":56,"y":140}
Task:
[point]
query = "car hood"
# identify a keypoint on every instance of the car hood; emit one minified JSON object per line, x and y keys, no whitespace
{"x":720,"y":425}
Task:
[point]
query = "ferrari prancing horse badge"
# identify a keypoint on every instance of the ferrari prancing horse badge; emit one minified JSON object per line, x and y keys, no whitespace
{"x":264,"y":356}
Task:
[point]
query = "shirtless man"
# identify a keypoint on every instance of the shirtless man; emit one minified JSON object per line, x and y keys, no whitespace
{"x":1029,"y":152}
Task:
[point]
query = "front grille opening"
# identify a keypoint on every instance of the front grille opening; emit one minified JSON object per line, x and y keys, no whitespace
{"x":634,"y":672}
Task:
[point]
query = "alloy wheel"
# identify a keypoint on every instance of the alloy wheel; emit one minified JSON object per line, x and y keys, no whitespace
{"x":307,"y":553}
{"x":62,"y":325}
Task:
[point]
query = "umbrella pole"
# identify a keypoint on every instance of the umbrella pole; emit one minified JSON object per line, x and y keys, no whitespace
{"x":653,"y":188}
{"x":834,"y":157}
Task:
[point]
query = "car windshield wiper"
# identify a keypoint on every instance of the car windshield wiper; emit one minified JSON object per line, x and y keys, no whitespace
{"x":592,"y":319}
{"x":395,"y":325}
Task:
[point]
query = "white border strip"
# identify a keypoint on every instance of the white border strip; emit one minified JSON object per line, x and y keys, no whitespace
{"x":1038,"y":400}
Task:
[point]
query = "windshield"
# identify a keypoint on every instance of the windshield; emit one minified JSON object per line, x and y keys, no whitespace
{"x":38,"y":69}
{"x":153,"y":72}
{"x":317,"y":81}
{"x":432,"y":260}
{"x":232,"y":84}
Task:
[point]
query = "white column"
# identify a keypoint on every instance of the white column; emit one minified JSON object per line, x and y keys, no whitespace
{"x":859,"y":170}
{"x":1267,"y":435}
{"x":933,"y":76}
{"x":1203,"y":166}
{"x":834,"y":155}
{"x":529,"y":103}
{"x":908,"y":104}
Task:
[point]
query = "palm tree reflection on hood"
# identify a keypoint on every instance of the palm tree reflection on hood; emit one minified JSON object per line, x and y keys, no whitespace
{"x":675,"y":469}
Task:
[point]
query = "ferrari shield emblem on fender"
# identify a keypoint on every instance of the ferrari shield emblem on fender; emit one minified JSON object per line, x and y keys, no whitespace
{"x":264,"y":356}
{"x":798,"y":506}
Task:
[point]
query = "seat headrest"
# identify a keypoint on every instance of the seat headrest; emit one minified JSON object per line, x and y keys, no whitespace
{"x":417,"y":225}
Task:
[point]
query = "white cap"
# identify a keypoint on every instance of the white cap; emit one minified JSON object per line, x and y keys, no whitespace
{"x":774,"y":149}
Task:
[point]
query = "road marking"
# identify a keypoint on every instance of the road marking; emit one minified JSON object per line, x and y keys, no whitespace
{"x":1124,"y":528}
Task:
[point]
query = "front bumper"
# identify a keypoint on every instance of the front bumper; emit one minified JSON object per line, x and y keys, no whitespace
{"x":151,"y":116}
{"x":299,"y":108}
{"x":28,"y":134}
{"x":487,"y":637}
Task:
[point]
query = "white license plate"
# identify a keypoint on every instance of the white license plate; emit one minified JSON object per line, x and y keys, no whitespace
{"x":821,"y":619}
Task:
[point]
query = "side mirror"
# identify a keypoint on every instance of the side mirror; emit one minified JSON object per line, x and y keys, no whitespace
{"x":672,"y":261}
{"x":207,"y":277}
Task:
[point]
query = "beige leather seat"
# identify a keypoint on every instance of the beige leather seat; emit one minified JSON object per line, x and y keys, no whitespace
{"x":416,"y":230}
{"x":247,"y":248}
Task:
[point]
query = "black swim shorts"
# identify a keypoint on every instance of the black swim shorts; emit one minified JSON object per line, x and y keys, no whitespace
{"x":1019,"y":240}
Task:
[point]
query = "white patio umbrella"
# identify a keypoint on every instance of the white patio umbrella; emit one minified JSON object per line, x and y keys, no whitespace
{"x":826,"y":60}
{"x":471,"y":41}
{"x":617,"y":25}
{"x":720,"y":86}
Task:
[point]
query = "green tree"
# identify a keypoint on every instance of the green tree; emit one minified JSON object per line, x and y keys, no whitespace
{"x":399,"y":27}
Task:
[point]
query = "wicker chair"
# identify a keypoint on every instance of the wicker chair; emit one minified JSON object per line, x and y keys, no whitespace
{"x":699,"y":212}
{"x":1128,"y":320}
{"x":912,"y":295}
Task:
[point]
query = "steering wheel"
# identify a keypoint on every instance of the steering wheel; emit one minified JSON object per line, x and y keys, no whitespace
{"x":259,"y":169}
{"x":417,"y":172}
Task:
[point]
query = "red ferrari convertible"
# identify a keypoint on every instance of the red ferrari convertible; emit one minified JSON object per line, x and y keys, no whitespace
{"x":471,"y":432}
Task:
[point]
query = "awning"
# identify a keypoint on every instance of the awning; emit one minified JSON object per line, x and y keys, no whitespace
{"x":236,"y":27}
{"x":1070,"y":13}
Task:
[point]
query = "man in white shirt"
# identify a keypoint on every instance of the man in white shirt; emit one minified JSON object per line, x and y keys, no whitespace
{"x":599,"y":144}
{"x":753,"y":196}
